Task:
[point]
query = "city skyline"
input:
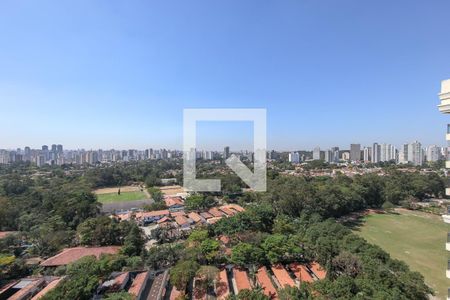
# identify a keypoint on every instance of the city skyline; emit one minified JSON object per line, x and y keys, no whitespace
{"x":121,"y":75}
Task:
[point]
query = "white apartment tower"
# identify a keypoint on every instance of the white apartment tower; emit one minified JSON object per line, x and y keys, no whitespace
{"x":415,"y":153}
{"x":316,"y":153}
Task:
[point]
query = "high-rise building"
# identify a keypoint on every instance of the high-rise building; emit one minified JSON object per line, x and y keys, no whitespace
{"x":226,"y":152}
{"x":415,"y":153}
{"x":59,"y":149}
{"x":294,"y":157}
{"x":355,"y":152}
{"x":375,"y":157}
{"x":367,"y":153}
{"x":329,"y":158}
{"x":433,"y":153}
{"x":316,"y":153}
{"x":335,"y":151}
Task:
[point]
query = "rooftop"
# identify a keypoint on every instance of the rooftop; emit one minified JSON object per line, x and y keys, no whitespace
{"x":266,"y":284}
{"x":241,"y":279}
{"x":70,"y":255}
{"x":282,"y":276}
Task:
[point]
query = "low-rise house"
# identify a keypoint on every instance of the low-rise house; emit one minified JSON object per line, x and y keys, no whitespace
{"x":301,"y":272}
{"x":139,"y":284}
{"x":151,"y":216}
{"x":196,"y":217}
{"x":183,"y":222}
{"x":70,"y":255}
{"x":213,"y":220}
{"x":29,"y":288}
{"x":215,"y":212}
{"x":282,"y":277}
{"x":136,"y":283}
{"x":241,"y":281}
{"x":221,"y":287}
{"x":174,"y":203}
{"x":318,"y":271}
{"x":50,"y":286}
{"x":206,"y":215}
{"x":264,"y":281}
{"x":229,"y":212}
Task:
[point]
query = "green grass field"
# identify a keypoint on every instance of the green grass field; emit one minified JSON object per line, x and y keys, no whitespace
{"x":416,"y":238}
{"x":124,"y":196}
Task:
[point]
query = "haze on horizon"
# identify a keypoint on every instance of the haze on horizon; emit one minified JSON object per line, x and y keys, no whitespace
{"x":108,"y":74}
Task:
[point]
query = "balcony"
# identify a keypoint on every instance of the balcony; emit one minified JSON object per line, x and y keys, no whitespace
{"x":444,"y":107}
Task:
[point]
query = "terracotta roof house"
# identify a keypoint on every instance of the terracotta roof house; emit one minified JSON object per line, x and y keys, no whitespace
{"x":138,"y":285}
{"x":221,"y":288}
{"x":183,"y":222}
{"x":301,"y":272}
{"x":236,"y":207}
{"x":152,"y":216}
{"x":241,"y":280}
{"x":227,"y":211}
{"x":213,"y":220}
{"x":196,"y":217}
{"x":215,"y":212}
{"x":263,"y":279}
{"x":318,"y":270}
{"x":282,"y":276}
{"x":47,"y":289}
{"x":29,"y":288}
{"x":206,"y":215}
{"x":177,"y":213}
{"x":70,"y":255}
{"x":174,"y":202}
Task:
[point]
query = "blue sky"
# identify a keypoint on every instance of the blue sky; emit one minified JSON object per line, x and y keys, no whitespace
{"x":118,"y":74}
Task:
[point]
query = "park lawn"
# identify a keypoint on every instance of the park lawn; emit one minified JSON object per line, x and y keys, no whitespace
{"x":414,"y":237}
{"x":124,"y":196}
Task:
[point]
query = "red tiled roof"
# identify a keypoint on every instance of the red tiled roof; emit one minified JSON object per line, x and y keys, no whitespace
{"x":215,"y":212}
{"x":162,"y":220}
{"x":282,"y":276}
{"x":213,"y":220}
{"x":227,"y":211}
{"x":34,"y":283}
{"x":155,"y":213}
{"x":206,"y":215}
{"x":236,"y":207}
{"x":301,"y":272}
{"x":172,"y":201}
{"x":266,"y":284}
{"x":181,"y":220}
{"x":178,"y":213}
{"x":138,"y":283}
{"x":241,"y":279}
{"x":222,"y":289}
{"x":70,"y":255}
{"x":47,"y":289}
{"x":195,"y":217}
{"x":318,"y":270}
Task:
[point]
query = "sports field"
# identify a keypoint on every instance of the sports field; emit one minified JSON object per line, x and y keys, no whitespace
{"x":416,"y":238}
{"x":123,"y":197}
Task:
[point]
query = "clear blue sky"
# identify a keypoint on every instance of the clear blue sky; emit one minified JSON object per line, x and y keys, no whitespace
{"x":119,"y":73}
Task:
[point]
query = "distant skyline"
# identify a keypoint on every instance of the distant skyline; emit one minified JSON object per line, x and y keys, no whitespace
{"x":110,"y":74}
